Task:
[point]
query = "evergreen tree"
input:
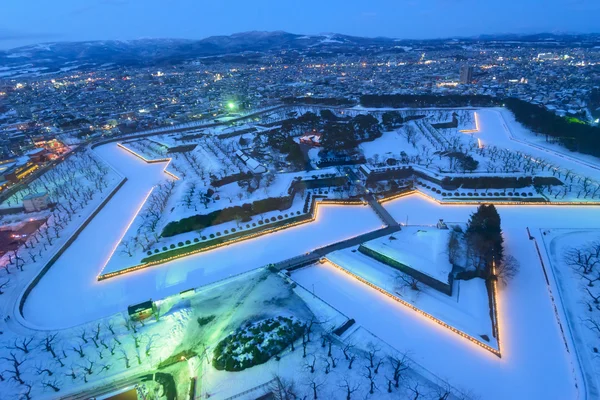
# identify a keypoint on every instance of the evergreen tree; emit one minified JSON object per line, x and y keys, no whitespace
{"x":484,"y":238}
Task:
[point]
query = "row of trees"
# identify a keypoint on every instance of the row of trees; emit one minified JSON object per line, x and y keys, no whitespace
{"x":53,"y":361}
{"x":584,"y":260}
{"x":330,"y":366}
{"x":72,"y":184}
{"x":574,"y":135}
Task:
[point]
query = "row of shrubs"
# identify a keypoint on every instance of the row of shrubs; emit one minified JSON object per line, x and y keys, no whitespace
{"x":476,"y":194}
{"x":306,"y":203}
{"x":496,"y":182}
{"x":244,"y":213}
{"x":225,"y":232}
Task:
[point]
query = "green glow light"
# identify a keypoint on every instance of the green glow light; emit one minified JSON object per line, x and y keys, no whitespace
{"x":231,"y":105}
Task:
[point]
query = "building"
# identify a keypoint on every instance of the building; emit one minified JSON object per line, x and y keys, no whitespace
{"x":141,"y":311}
{"x":35,"y":202}
{"x":252,"y":164}
{"x":466,"y":74}
{"x":311,"y":139}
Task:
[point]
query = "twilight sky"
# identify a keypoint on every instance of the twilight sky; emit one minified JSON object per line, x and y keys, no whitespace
{"x":33,"y":21}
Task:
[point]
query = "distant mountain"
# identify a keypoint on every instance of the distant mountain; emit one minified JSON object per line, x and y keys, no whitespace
{"x":64,"y":56}
{"x":543,"y":37}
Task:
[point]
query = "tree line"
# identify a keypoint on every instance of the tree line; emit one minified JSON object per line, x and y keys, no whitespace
{"x":575,"y":136}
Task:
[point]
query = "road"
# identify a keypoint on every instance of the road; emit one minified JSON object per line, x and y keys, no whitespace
{"x":315,"y":255}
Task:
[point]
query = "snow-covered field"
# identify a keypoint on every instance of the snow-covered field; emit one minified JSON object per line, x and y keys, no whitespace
{"x":85,"y":299}
{"x":532,"y":346}
{"x":534,"y":363}
{"x":423,"y":248}
{"x":578,"y":291}
{"x":466,"y":310}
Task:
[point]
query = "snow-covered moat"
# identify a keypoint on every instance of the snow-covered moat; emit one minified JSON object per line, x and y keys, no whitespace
{"x":540,"y":355}
{"x":533,"y":350}
{"x":69,"y":294}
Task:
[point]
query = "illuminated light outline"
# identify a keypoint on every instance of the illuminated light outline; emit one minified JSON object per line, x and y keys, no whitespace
{"x":476,"y":126}
{"x":313,"y":217}
{"x":486,"y":201}
{"x":126,"y":230}
{"x":494,"y":351}
{"x":153,"y":161}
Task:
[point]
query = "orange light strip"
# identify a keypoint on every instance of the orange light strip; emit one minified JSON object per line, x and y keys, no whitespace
{"x":137,"y":267}
{"x":125,"y":230}
{"x":167,"y":160}
{"x":476,"y":126}
{"x":488,"y":201}
{"x":423,"y":313}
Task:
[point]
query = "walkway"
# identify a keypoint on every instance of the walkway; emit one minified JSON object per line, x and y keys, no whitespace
{"x":315,"y":255}
{"x":385,"y":216}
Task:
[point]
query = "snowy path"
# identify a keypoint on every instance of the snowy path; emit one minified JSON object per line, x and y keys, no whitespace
{"x":70,"y":294}
{"x":534,"y":362}
{"x":499,"y":128}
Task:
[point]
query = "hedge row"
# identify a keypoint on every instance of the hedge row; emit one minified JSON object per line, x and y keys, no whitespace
{"x":230,"y":179}
{"x":220,"y":240}
{"x":495,"y":182}
{"x":244,"y":213}
{"x":182,"y":148}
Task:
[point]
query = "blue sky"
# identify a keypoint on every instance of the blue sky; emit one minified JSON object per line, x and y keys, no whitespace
{"x":32,"y":21}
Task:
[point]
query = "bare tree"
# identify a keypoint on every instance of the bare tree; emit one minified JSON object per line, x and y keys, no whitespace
{"x":346,"y":350}
{"x":126,"y":359}
{"x":593,"y":325}
{"x":348,"y":387}
{"x":3,"y":285}
{"x":371,"y":377}
{"x":51,"y":385}
{"x":311,"y":365}
{"x":408,"y":282}
{"x":443,"y":391}
{"x":414,"y":388}
{"x":16,"y":372}
{"x":79,"y":350}
{"x":315,"y":384}
{"x":27,"y":394}
{"x":371,"y":354}
{"x":399,"y":365}
{"x":582,"y":259}
{"x":23,"y":345}
{"x":506,"y":270}
{"x":48,"y":344}
{"x":282,"y":389}
{"x":351,"y":361}
{"x":40,"y":370}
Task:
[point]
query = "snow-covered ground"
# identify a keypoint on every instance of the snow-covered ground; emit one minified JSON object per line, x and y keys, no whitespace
{"x":579,"y":299}
{"x":466,"y":310}
{"x":534,"y":363}
{"x":85,"y":299}
{"x":423,"y":248}
{"x":532,"y":346}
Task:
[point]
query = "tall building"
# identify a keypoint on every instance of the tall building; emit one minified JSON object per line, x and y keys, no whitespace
{"x":466,"y":74}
